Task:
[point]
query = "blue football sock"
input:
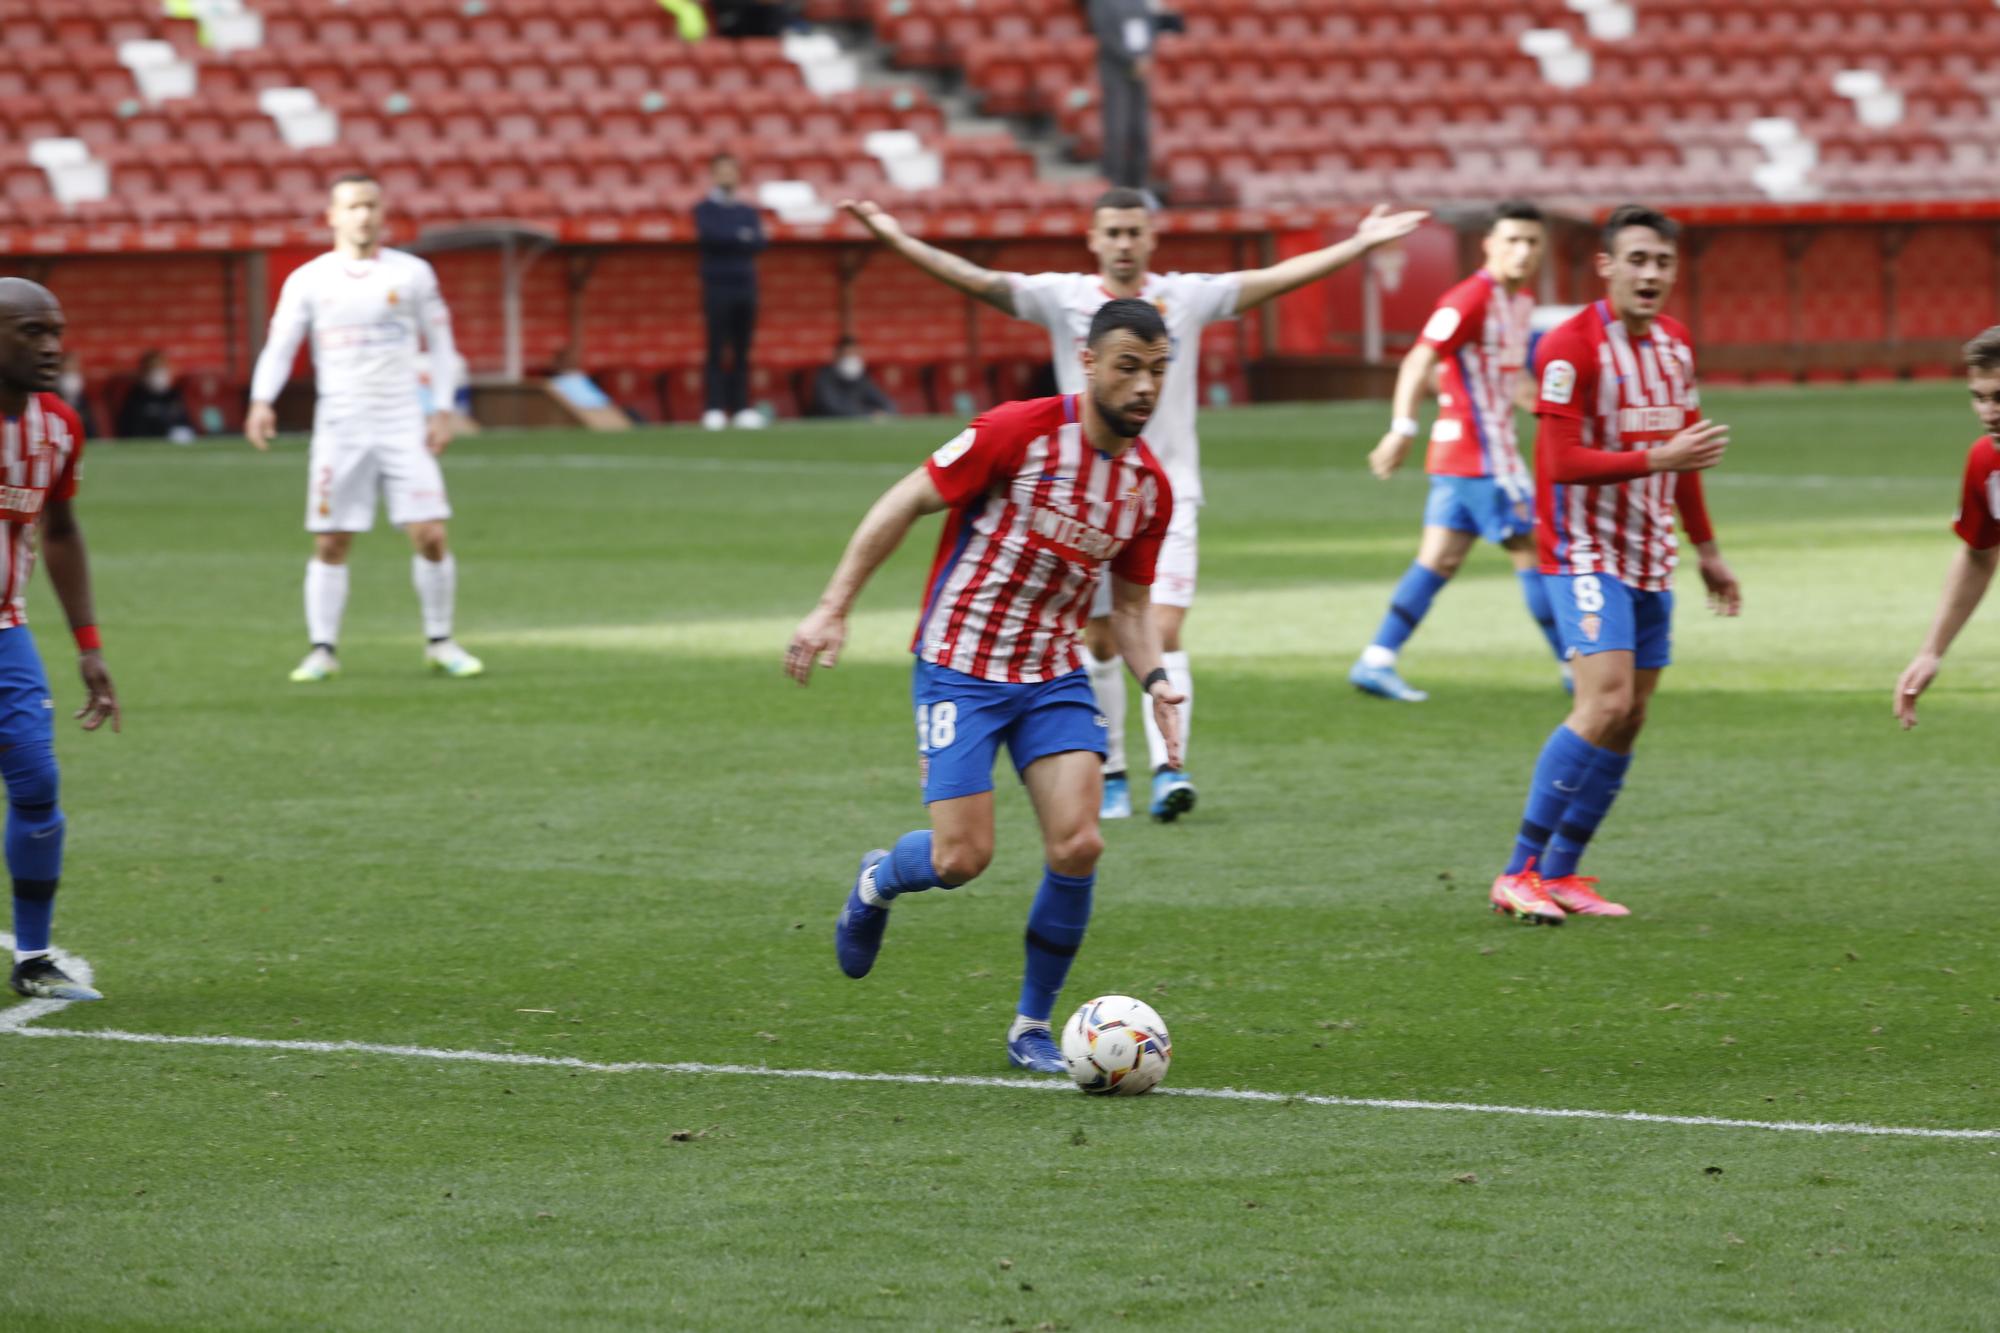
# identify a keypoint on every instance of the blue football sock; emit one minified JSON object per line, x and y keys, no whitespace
{"x":1537,"y":594}
{"x":1559,"y":774}
{"x":907,"y":868}
{"x":1055,"y":932}
{"x":1600,"y":788}
{"x":34,"y":913}
{"x":1408,"y":605}
{"x":34,"y":839}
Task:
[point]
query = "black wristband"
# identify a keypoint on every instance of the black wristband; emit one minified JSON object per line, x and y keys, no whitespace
{"x":1156,"y":676}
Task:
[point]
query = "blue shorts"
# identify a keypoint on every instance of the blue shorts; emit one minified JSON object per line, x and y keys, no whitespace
{"x":1480,"y":505}
{"x":27,"y":713}
{"x":1600,"y":614}
{"x":962,"y":721}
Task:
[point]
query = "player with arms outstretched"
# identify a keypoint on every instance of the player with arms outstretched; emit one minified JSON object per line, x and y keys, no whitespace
{"x":1046,"y":498}
{"x":1477,"y":340}
{"x":1619,"y":446}
{"x":41,"y":448}
{"x":1123,"y":239}
{"x":1977,"y":525}
{"x":365,"y":306}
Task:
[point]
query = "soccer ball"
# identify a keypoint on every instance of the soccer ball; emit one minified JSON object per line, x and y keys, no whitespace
{"x":1116,"y":1044}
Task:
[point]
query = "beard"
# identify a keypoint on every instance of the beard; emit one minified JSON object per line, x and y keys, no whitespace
{"x":1121,"y":425}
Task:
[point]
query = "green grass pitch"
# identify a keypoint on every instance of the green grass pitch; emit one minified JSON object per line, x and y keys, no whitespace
{"x":628,"y":842}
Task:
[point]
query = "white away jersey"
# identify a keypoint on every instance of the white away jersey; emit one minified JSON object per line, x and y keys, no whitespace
{"x":1063,"y":303}
{"x":365,"y":317}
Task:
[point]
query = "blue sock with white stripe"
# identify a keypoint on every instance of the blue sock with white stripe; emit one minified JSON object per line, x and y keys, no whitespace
{"x":1559,"y":773}
{"x":906,"y":869}
{"x":1055,"y":932}
{"x":1408,"y":606}
{"x":1601,"y":786}
{"x":1537,"y":594}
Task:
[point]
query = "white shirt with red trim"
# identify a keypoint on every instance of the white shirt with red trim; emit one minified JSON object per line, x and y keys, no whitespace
{"x":40,"y":454}
{"x":1481,"y":336}
{"x":1065,"y":303}
{"x":1036,"y":516}
{"x":365,"y":317}
{"x":1628,"y":393}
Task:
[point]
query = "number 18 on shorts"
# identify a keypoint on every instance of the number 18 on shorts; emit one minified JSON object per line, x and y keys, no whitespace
{"x":962,"y":721}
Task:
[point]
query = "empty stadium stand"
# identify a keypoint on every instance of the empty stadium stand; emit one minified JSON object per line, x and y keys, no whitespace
{"x":122,"y":130}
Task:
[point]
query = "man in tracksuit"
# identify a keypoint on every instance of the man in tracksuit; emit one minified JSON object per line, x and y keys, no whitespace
{"x":731,"y":233}
{"x":1124,"y":31}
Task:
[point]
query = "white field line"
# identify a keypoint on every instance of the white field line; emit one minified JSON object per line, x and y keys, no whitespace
{"x":855,"y":466}
{"x":15,"y":1021}
{"x":957,"y":1081}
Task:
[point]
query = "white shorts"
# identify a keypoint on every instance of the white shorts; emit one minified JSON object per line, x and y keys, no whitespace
{"x":348,"y":468}
{"x":1173,"y":575}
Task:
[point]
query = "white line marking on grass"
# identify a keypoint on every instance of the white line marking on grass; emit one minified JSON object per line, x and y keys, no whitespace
{"x":965,"y":1081}
{"x":18,"y":1017}
{"x":865,"y":467}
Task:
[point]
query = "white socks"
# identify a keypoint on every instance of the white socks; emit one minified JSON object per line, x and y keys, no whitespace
{"x":1022,"y":1023}
{"x":326,"y":601}
{"x":1375,"y":656}
{"x":437,"y":588}
{"x":870,"y":894}
{"x":1183,"y":683}
{"x":1107,"y":682}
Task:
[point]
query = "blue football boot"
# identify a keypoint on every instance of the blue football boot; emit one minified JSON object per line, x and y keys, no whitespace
{"x":857,"y":933}
{"x":1383,"y":682}
{"x":1035,"y":1051}
{"x":1173,"y":795}
{"x":1117,"y":798}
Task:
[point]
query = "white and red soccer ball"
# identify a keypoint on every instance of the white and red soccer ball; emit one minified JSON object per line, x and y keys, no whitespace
{"x":1116,"y":1045}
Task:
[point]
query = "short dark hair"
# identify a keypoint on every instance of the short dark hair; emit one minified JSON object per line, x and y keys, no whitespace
{"x":1515,"y":210}
{"x":1122,"y":197}
{"x":1638,"y":215}
{"x":1983,"y":352}
{"x":352,"y":178}
{"x":721,"y":157}
{"x":1142,"y":319}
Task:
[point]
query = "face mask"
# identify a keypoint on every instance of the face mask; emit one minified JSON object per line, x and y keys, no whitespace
{"x":849,"y":367}
{"x":159,"y":381}
{"x":70,"y":384}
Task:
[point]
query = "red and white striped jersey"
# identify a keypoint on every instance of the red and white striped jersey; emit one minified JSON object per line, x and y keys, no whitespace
{"x":1481,"y":336}
{"x":40,"y":451}
{"x":1627,"y":393}
{"x":1037,"y":514}
{"x":1978,"y":521}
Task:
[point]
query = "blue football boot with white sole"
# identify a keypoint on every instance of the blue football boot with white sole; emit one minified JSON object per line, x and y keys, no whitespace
{"x":1384,"y":683}
{"x":1117,"y":798}
{"x":1035,"y":1051}
{"x":857,"y":932}
{"x":1173,"y":795}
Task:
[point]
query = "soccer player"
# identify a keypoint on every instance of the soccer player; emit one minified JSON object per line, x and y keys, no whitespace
{"x":365,"y":306}
{"x":41,"y":445}
{"x":1044,"y":496}
{"x":1477,"y":340}
{"x":1977,"y":525}
{"x":1122,"y":238}
{"x":1619,"y":446}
